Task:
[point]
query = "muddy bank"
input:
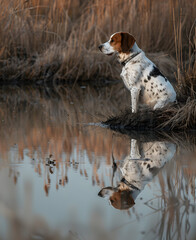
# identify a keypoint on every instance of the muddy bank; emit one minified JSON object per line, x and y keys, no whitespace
{"x":178,"y":117}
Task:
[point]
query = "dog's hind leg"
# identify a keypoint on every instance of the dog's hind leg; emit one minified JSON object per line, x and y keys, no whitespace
{"x":160,"y":104}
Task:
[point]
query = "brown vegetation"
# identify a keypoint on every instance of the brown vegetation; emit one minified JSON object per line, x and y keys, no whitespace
{"x":50,"y":40}
{"x":172,"y":117}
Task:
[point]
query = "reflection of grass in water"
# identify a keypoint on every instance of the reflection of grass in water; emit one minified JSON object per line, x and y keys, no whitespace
{"x":38,"y":118}
{"x":176,"y":203}
{"x":49,"y":122}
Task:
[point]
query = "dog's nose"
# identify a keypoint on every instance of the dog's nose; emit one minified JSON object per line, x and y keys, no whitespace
{"x":100,"y":47}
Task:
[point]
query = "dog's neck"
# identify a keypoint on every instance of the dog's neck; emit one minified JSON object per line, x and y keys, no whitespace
{"x":124,"y":57}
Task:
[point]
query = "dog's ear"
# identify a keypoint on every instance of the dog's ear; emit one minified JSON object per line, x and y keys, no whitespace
{"x":127,"y":42}
{"x":122,"y":200}
{"x":106,"y":192}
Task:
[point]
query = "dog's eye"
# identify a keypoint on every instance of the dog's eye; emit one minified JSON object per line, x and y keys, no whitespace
{"x":111,"y":40}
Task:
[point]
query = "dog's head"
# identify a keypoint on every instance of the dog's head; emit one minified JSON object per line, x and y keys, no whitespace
{"x":119,"y":198}
{"x":120,"y":42}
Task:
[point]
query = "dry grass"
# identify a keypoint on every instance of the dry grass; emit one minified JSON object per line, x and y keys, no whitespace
{"x":50,"y":40}
{"x":173,"y":117}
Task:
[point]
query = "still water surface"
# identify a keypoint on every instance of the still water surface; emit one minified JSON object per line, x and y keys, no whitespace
{"x":58,"y":179}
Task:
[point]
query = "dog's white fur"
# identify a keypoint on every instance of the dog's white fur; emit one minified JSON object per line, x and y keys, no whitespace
{"x":141,"y":77}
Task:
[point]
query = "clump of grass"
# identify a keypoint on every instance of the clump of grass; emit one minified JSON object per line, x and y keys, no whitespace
{"x":50,"y":40}
{"x":173,"y":117}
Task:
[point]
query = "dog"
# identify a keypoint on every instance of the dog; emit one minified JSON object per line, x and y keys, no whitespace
{"x":138,"y":168}
{"x":141,"y":76}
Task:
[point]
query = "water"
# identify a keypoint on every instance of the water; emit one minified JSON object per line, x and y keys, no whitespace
{"x":58,"y":180}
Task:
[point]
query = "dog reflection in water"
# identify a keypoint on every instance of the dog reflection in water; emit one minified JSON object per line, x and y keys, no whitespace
{"x":136,"y":170}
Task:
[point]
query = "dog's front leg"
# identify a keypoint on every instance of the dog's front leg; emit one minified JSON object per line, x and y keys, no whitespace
{"x":134,"y":99}
{"x":134,"y":153}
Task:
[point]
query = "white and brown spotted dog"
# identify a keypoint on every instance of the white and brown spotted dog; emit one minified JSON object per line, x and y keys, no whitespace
{"x":142,"y":78}
{"x":138,"y":169}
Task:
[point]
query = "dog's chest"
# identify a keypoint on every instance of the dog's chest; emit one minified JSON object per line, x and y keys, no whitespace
{"x":130,"y":75}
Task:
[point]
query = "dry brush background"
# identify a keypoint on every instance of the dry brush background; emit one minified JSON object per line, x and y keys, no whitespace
{"x":46,"y":39}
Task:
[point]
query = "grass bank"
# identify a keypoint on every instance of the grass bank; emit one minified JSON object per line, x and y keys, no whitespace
{"x":57,"y":40}
{"x":177,"y":117}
